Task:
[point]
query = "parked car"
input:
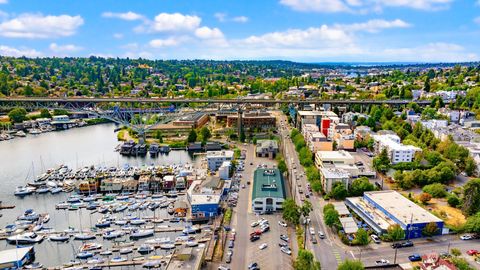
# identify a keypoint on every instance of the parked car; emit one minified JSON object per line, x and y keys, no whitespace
{"x":221,"y":267}
{"x":254,"y":238}
{"x":286,"y":250}
{"x":382,"y":262}
{"x":375,"y":238}
{"x":313,"y":239}
{"x":253,"y":266}
{"x":312,"y":231}
{"x":263,"y":246}
{"x":321,"y":235}
{"x":472,"y":252}
{"x":466,"y":237}
{"x":254,"y":224}
{"x":282,"y":223}
{"x":282,"y":244}
{"x":407,"y":243}
{"x":284,"y":237}
{"x":415,"y":258}
{"x":231,"y":243}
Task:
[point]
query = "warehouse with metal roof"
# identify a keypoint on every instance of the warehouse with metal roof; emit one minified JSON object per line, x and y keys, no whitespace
{"x":268,"y":191}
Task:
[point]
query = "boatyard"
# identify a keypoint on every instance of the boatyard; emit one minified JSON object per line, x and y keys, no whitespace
{"x":110,"y":212}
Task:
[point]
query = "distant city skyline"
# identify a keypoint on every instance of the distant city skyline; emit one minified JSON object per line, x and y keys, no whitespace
{"x":297,"y":30}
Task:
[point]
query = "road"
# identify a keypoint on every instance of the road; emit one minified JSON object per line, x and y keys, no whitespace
{"x":326,"y":251}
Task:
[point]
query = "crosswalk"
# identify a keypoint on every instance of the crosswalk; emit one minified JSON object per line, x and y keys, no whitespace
{"x":337,"y":255}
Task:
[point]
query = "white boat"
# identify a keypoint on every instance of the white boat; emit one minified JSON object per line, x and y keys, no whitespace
{"x":124,"y":251}
{"x":167,"y":246}
{"x":95,"y":260}
{"x":25,"y":239}
{"x":46,"y":218}
{"x":56,"y":190}
{"x":34,"y":265}
{"x":35,"y":131}
{"x":113,"y":234}
{"x":23,"y":191}
{"x":30,"y":215}
{"x":145,"y":249}
{"x":120,"y":222}
{"x":141,"y":234}
{"x":84,"y":255}
{"x":159,"y":241}
{"x":62,"y":237}
{"x":106,"y":252}
{"x":157,"y":220}
{"x":42,"y":190}
{"x":84,"y":236}
{"x":118,"y":259}
{"x":137,"y":221}
{"x":191,"y":243}
{"x":20,"y":134}
{"x":90,"y":246}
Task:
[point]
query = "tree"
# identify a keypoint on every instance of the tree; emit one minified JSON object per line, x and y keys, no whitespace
{"x":430,"y":229}
{"x":382,"y":161}
{"x":362,"y":238}
{"x":473,"y":223}
{"x":453,"y":200}
{"x":339,"y":192}
{"x":470,"y":167}
{"x":205,"y":132}
{"x":455,"y":252}
{"x":471,"y":197}
{"x":18,"y":115}
{"x":437,"y":190}
{"x":242,"y":135}
{"x":282,"y":166}
{"x":305,"y":210}
{"x":425,"y":197}
{"x":395,"y":233}
{"x":359,"y":186}
{"x":351,"y":265}
{"x":44,"y":113}
{"x":192,"y":136}
{"x":305,"y":261}
{"x":291,"y":212}
{"x":331,"y":217}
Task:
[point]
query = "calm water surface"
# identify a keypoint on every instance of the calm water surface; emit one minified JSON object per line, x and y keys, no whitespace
{"x":93,"y":145}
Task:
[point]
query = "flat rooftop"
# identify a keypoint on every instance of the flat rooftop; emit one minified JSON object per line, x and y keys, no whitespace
{"x":400,"y":207}
{"x":13,"y":255}
{"x":268,"y":183}
{"x":223,"y":153}
{"x":334,"y":155}
{"x":316,"y":113}
{"x":334,"y":173}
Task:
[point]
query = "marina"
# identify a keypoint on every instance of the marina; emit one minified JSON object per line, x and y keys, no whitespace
{"x":85,"y":212}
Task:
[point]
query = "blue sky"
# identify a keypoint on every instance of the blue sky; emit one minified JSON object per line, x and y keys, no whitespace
{"x":299,"y":30}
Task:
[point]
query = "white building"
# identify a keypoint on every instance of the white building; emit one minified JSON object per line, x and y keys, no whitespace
{"x":215,"y":159}
{"x":224,"y":170}
{"x":328,"y":158}
{"x":330,"y":176}
{"x":397,"y":152}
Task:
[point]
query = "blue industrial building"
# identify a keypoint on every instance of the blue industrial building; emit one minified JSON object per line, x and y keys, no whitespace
{"x":16,"y":258}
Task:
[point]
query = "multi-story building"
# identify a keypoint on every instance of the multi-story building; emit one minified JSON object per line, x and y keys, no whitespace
{"x":204,"y":201}
{"x":316,"y":141}
{"x":252,"y":120}
{"x":216,"y":158}
{"x":330,"y":158}
{"x":330,"y":176}
{"x":266,"y":148}
{"x":268,"y":191}
{"x":397,"y":152}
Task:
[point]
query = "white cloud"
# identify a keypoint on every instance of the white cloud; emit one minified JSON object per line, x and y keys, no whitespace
{"x":118,"y":35}
{"x":3,"y":1}
{"x":477,"y":20}
{"x":208,"y":33}
{"x":374,"y":26}
{"x":223,"y":17}
{"x":39,"y":26}
{"x":240,"y":19}
{"x":362,"y":6}
{"x":172,"y":22}
{"x":168,"y":42}
{"x":127,"y":16}
{"x":54,"y":47}
{"x":131,"y":46}
{"x":19,"y":52}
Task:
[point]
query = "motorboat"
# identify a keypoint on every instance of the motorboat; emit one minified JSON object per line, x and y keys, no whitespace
{"x":118,"y":259}
{"x":120,"y":222}
{"x":84,"y":255}
{"x":106,"y":252}
{"x":27,"y":238}
{"x":35,"y":131}
{"x":145,"y":249}
{"x":137,"y":221}
{"x":124,"y":251}
{"x":191,"y":230}
{"x":20,"y":134}
{"x":90,"y":246}
{"x":34,"y":265}
{"x":56,"y":190}
{"x":30,"y":215}
{"x":89,"y":199}
{"x":191,"y":243}
{"x":73,"y":199}
{"x":113,"y":234}
{"x":154,"y":205}
{"x":152,"y":264}
{"x":38,"y":227}
{"x":141,"y":234}
{"x":95,"y":260}
{"x":62,"y":205}
{"x":157,"y":220}
{"x":158,"y":241}
{"x":120,"y":208}
{"x":21,"y":191}
{"x":84,"y":236}
{"x":103,"y":223}
{"x":167,"y":246}
{"x":46,"y":218}
{"x":10,"y":228}
{"x":62,"y":237}
{"x":42,"y":190}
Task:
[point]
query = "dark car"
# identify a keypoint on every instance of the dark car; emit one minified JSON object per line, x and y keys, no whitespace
{"x":282,"y":244}
{"x":403,"y":244}
{"x":415,"y":258}
{"x":254,"y":238}
{"x":253,"y":266}
{"x":284,"y":238}
{"x":231,"y":244}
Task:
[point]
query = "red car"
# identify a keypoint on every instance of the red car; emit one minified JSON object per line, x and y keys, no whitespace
{"x":472,"y":252}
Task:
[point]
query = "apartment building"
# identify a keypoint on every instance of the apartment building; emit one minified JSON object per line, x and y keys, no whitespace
{"x":397,"y":152}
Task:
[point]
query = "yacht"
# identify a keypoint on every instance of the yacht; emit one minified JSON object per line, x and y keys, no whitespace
{"x":90,"y":246}
{"x":20,"y":134}
{"x":84,"y":236}
{"x":145,"y":249}
{"x":30,"y":215}
{"x":118,"y":259}
{"x":56,"y":190}
{"x":113,"y":234}
{"x":167,"y":246}
{"x":42,"y":190}
{"x":137,"y":221}
{"x":62,"y":237}
{"x":25,"y":239}
{"x":23,"y":191}
{"x":103,"y":223}
{"x":191,"y":243}
{"x":84,"y":255}
{"x":159,"y":241}
{"x":35,"y":131}
{"x":141,"y":234}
